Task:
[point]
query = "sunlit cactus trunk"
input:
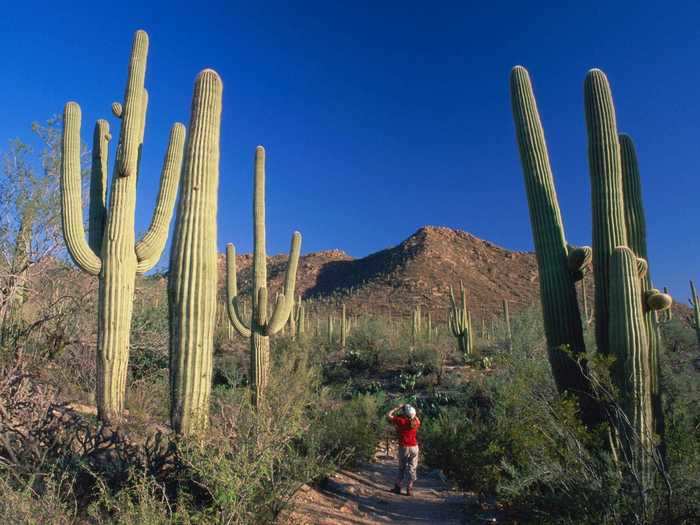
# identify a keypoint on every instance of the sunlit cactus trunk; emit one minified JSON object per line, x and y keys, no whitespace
{"x":112,"y":252}
{"x":261,"y":326}
{"x":192,"y":282}
{"x":506,"y":320}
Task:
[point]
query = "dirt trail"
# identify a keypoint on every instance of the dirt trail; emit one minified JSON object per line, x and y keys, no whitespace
{"x":362,"y":496}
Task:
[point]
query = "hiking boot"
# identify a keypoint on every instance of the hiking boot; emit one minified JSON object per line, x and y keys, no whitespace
{"x":396,"y":489}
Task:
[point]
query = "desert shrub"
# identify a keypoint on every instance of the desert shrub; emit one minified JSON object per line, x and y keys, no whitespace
{"x":351,"y":431}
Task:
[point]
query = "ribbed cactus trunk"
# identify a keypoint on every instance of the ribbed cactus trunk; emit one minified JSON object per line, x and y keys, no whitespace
{"x":192,"y":282}
{"x":562,"y":317}
{"x":262,"y":325}
{"x":609,"y":229}
{"x":629,"y":345}
{"x":635,"y":223}
{"x":112,"y":252}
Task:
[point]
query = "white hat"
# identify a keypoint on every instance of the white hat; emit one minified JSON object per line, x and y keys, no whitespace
{"x":409,"y":411}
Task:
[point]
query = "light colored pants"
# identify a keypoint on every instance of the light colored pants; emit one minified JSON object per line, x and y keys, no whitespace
{"x":408,"y":463}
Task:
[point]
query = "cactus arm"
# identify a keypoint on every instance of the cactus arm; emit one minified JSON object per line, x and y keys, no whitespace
{"x":71,"y":200}
{"x":133,"y":111}
{"x":98,"y":185}
{"x":234,"y":315}
{"x":284,"y":306}
{"x":150,"y":247}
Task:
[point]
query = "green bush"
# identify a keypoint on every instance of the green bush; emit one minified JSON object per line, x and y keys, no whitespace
{"x":350,"y":432}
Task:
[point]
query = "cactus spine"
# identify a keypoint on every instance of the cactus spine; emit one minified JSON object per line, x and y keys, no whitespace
{"x":460,"y":321}
{"x":112,"y":252}
{"x":695,"y":303}
{"x":562,"y":318}
{"x":261,"y":327}
{"x":192,"y":283}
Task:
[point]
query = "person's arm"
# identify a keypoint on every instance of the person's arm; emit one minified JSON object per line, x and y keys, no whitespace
{"x":390,"y":415}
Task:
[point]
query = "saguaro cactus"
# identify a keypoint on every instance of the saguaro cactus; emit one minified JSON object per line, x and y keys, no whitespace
{"x":261,"y":328}
{"x":695,"y":303}
{"x":635,"y":224}
{"x":416,"y":321}
{"x":299,"y":317}
{"x":344,"y":327}
{"x":506,"y":319}
{"x":629,"y":344}
{"x":605,"y":166}
{"x":192,"y":282}
{"x":555,"y":259}
{"x":460,"y":321}
{"x":112,"y":252}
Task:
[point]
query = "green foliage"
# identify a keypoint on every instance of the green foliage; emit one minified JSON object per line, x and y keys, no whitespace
{"x":350,"y":432}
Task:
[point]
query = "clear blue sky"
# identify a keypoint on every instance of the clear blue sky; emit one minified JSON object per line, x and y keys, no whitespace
{"x":383,"y":116}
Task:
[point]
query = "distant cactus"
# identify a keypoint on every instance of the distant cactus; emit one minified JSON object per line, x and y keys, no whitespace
{"x":112,"y":252}
{"x":695,"y":303}
{"x":669,"y":311}
{"x":299,"y":317}
{"x":506,"y":319}
{"x":261,"y":327}
{"x":416,"y":321}
{"x":460,"y":321}
{"x":344,"y":328}
{"x":192,"y":282}
{"x":330,"y":329}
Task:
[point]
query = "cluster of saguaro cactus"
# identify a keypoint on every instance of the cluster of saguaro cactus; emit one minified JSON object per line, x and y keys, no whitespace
{"x":192,"y":282}
{"x":624,"y":299}
{"x":460,"y":321}
{"x":695,"y":303}
{"x":261,"y":327}
{"x":111,"y":251}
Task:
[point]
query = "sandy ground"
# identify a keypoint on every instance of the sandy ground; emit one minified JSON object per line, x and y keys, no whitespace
{"x":362,"y":496}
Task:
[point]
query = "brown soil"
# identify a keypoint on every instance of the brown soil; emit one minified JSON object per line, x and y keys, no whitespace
{"x":362,"y":496}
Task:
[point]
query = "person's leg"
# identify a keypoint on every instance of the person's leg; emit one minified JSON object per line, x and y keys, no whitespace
{"x":402,"y":470}
{"x":412,"y":467}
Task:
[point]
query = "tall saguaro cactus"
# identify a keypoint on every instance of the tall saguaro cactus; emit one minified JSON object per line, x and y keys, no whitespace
{"x":112,"y":252}
{"x":192,"y":282}
{"x":555,"y":259}
{"x":261,"y":327}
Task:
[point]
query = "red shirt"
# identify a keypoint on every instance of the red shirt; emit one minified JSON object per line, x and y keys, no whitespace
{"x":407,"y":430}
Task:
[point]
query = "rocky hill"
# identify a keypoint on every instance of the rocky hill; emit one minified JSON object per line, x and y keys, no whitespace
{"x":417,"y":271}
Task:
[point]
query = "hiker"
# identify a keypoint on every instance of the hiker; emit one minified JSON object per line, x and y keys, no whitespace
{"x":407,"y":425}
